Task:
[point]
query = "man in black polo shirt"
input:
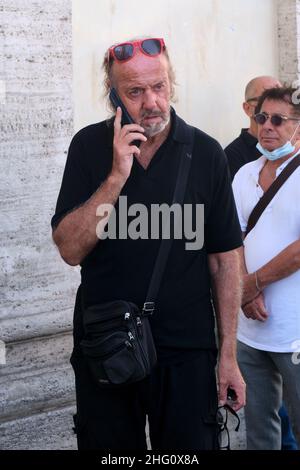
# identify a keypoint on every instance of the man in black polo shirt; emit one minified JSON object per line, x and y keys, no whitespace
{"x":243,"y":149}
{"x":180,"y":396}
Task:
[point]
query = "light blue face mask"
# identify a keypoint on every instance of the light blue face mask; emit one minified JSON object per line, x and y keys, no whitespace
{"x":280,"y":152}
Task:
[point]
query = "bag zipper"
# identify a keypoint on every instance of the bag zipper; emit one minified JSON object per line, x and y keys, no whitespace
{"x":125,"y":343}
{"x":131,"y":317}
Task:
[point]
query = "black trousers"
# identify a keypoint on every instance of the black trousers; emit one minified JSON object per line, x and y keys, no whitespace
{"x":180,"y":401}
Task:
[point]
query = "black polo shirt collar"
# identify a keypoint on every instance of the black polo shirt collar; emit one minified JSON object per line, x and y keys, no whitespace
{"x":248,"y":138}
{"x":179,"y":128}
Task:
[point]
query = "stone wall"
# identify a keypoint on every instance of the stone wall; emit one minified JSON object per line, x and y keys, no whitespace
{"x":36,"y":288}
{"x":216,"y":47}
{"x":288,"y":39}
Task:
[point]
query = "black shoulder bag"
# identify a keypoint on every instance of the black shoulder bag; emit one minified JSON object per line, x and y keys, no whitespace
{"x":118,"y":344}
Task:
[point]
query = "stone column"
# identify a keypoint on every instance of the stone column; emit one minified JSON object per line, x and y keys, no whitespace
{"x":36,"y":288}
{"x":289,"y":40}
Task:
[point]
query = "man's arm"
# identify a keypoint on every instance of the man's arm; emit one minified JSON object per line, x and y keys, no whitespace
{"x":76,"y":234}
{"x":282,"y":265}
{"x":226,"y":290}
{"x":254,"y":309}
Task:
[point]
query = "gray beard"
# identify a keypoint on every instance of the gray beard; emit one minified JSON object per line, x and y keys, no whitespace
{"x":156,"y":127}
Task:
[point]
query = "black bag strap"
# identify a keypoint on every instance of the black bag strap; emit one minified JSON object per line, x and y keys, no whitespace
{"x":186,"y":151}
{"x":270,"y":193}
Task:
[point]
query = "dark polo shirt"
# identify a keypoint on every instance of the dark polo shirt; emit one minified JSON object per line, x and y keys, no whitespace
{"x":122,"y":268}
{"x":240,"y":151}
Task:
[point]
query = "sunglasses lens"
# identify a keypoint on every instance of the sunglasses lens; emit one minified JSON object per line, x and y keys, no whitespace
{"x":260,"y":118}
{"x":124,"y":51}
{"x":276,"y":120}
{"x":151,"y":46}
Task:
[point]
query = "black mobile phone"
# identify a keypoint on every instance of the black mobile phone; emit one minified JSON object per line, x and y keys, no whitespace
{"x":116,"y":101}
{"x":126,"y":118}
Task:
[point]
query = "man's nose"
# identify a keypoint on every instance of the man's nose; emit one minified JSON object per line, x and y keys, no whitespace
{"x":150,"y":99}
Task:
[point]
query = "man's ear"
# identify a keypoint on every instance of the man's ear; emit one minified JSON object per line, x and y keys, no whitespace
{"x":248,"y":109}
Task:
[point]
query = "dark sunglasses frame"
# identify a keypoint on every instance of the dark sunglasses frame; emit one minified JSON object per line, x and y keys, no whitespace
{"x":276,"y":119}
{"x":126,"y":50}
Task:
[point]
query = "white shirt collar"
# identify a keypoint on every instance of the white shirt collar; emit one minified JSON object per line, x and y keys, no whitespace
{"x":260,"y":162}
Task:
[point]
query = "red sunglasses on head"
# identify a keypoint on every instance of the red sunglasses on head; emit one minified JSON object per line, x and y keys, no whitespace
{"x":125,"y":51}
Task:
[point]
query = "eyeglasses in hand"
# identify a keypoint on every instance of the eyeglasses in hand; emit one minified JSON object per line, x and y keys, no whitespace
{"x":223,"y":432}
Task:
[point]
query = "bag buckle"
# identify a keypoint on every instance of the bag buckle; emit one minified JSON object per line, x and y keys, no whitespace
{"x":148,"y":308}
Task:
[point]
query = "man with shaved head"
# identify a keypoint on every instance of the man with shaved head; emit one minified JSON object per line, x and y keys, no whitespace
{"x":243,"y":149}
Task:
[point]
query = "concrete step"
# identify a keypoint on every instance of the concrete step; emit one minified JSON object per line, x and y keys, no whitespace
{"x":35,"y":353}
{"x":50,"y":430}
{"x":35,"y":391}
{"x":21,"y":328}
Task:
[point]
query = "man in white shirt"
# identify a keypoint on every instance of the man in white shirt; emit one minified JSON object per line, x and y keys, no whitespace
{"x":269,"y":324}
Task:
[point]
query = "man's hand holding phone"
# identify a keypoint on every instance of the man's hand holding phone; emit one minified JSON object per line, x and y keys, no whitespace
{"x":123,"y":145}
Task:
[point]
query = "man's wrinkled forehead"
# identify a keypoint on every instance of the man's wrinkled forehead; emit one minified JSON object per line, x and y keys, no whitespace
{"x":140,"y":67}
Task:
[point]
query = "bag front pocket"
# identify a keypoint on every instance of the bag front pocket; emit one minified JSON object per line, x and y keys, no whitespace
{"x":111,"y":359}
